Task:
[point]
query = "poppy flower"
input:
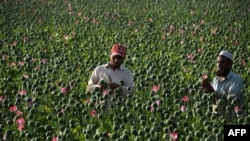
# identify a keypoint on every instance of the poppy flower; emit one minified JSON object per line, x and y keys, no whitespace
{"x":64,"y":90}
{"x":13,"y":108}
{"x":55,"y":139}
{"x":22,"y":92}
{"x":173,"y":135}
{"x":185,"y":98}
{"x":191,"y":57}
{"x":21,"y":63}
{"x":19,"y":113}
{"x":183,"y":108}
{"x":236,"y":109}
{"x":1,"y":98}
{"x":93,"y":113}
{"x":105,"y":92}
{"x":20,"y":121}
{"x":44,"y":60}
{"x":155,"y":88}
{"x":21,"y":127}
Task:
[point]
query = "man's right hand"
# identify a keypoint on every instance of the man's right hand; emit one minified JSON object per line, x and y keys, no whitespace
{"x":207,"y":86}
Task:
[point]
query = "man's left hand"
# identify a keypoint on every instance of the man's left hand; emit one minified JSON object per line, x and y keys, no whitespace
{"x":113,"y":85}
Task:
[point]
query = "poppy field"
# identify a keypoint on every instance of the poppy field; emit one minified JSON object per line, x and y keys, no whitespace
{"x":50,"y":48}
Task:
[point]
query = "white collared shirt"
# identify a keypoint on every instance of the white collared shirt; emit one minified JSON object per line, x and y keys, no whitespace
{"x":117,"y":75}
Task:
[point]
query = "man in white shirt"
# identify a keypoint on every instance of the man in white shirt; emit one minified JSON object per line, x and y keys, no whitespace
{"x":225,"y":84}
{"x":113,"y":75}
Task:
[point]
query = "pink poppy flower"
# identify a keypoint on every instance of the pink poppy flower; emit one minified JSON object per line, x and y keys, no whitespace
{"x":20,"y":121}
{"x":158,"y":102}
{"x":19,"y":113}
{"x":21,"y":63}
{"x":93,"y":113}
{"x":190,"y":57}
{"x":44,"y":60}
{"x":55,"y":139}
{"x":152,"y":109}
{"x":1,"y":98}
{"x":185,"y":98}
{"x":13,"y":108}
{"x":21,"y":127}
{"x":183,"y":108}
{"x":155,"y":88}
{"x":236,"y":109}
{"x":22,"y":92}
{"x":64,"y":90}
{"x":173,"y":135}
{"x":105,"y":92}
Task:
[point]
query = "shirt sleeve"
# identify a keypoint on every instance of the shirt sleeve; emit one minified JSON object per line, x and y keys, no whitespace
{"x":128,"y":87}
{"x":232,"y":89}
{"x":93,"y":81}
{"x":235,"y":89}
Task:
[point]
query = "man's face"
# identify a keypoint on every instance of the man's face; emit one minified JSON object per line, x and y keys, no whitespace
{"x":116,"y":60}
{"x":223,"y":66}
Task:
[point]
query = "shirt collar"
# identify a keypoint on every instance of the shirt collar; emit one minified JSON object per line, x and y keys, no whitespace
{"x":229,"y":75}
{"x":108,"y":67}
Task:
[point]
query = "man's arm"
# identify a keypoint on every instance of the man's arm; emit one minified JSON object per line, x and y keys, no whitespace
{"x":232,"y":89}
{"x":207,"y":86}
{"x":93,"y":82}
{"x":235,"y":88}
{"x":128,"y":87}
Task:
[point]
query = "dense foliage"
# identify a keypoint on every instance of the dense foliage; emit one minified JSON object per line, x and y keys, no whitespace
{"x":50,"y":48}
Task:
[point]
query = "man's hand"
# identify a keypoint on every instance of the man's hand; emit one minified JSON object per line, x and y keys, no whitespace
{"x":113,"y":85}
{"x":207,"y":86}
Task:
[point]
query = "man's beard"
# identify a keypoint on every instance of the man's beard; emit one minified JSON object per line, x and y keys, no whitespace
{"x":114,"y":65}
{"x":222,"y":72}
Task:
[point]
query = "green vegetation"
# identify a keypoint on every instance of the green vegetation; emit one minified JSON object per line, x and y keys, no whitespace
{"x":50,"y":48}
